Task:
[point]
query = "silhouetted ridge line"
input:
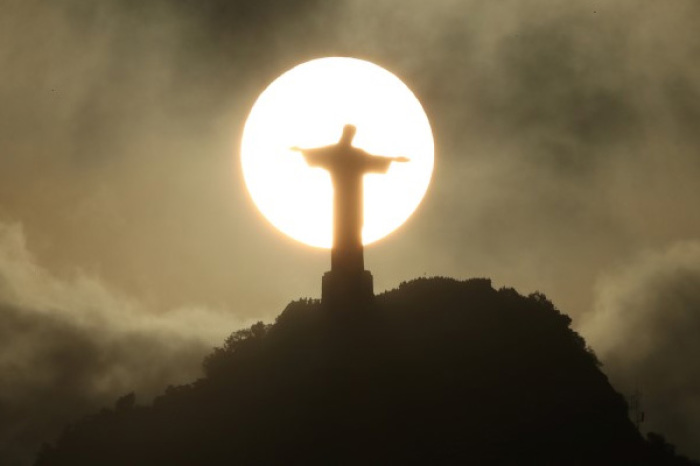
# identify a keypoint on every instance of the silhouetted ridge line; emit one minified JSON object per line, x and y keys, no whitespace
{"x":435,"y":372}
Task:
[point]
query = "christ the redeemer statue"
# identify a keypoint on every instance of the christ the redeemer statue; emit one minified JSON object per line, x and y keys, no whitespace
{"x":348,"y":281}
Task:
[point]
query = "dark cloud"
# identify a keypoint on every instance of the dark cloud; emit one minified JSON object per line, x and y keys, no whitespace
{"x":644,"y":327}
{"x":71,"y":347}
{"x":55,"y":371}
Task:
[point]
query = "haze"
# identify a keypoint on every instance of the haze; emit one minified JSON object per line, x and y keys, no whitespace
{"x":567,"y":161}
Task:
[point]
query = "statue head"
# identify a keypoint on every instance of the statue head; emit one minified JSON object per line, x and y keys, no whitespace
{"x":348,"y":134}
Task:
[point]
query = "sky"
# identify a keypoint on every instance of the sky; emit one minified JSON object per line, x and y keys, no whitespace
{"x":567,"y":162}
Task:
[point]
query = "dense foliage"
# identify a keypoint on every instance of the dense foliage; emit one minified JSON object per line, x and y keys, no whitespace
{"x":434,"y":372}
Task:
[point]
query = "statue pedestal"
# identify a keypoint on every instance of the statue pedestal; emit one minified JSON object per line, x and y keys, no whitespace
{"x":343,"y":289}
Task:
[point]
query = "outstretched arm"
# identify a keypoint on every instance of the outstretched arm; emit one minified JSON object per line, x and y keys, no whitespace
{"x":315,"y":157}
{"x":390,"y":159}
{"x":311,"y":150}
{"x":380,"y":164}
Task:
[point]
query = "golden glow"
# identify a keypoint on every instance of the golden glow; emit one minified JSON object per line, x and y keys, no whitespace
{"x":307,"y":107}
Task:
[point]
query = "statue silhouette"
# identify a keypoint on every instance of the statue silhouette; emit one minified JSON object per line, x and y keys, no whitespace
{"x":347,"y":281}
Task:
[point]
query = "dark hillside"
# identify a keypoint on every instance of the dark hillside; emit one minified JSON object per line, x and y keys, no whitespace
{"x":434,"y":372}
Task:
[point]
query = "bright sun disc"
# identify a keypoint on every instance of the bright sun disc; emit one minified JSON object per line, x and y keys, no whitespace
{"x":307,"y":107}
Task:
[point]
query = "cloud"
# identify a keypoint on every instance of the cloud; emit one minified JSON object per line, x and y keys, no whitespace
{"x":560,"y":132}
{"x":645,"y":328}
{"x":71,"y":346}
{"x":118,"y":137}
{"x":562,"y":129}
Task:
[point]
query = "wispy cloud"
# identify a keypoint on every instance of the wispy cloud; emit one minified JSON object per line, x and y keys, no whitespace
{"x":69,"y":346}
{"x":644,"y":327}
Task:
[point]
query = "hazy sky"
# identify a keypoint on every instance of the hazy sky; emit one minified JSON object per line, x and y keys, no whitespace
{"x":567,"y":161}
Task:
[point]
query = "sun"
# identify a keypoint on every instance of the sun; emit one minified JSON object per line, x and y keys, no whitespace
{"x":308,"y":106}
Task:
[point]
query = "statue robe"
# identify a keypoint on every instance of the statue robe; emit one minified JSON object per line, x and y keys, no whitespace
{"x":347,"y":166}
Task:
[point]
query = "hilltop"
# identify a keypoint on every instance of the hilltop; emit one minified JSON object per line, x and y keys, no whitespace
{"x":437,"y":371}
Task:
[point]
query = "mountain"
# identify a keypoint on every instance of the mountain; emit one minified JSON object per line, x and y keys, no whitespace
{"x":435,"y":372}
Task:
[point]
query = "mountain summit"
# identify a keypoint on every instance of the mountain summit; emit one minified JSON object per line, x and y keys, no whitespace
{"x":435,"y":372}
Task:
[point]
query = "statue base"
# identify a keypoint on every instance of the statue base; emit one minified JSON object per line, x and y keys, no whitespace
{"x":342,"y":289}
